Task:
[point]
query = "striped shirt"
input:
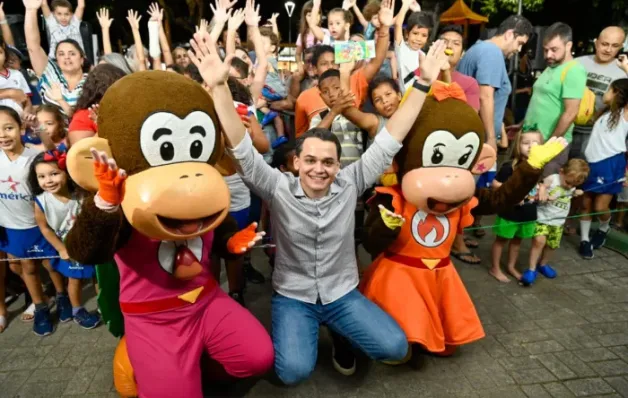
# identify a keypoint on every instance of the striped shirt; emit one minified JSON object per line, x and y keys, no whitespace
{"x":315,"y":244}
{"x":52,"y":74}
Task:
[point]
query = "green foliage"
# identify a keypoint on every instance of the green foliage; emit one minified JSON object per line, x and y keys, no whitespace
{"x":492,"y":7}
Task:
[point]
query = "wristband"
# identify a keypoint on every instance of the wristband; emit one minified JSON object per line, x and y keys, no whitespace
{"x":421,"y":87}
{"x":4,"y":22}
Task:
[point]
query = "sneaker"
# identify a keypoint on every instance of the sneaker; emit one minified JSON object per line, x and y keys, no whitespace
{"x":528,"y":277}
{"x":343,"y":359}
{"x":42,"y":326}
{"x":86,"y":320}
{"x":598,"y":239}
{"x":252,"y":275}
{"x":547,"y":271}
{"x":586,"y":250}
{"x":238,"y":296}
{"x":64,"y":308}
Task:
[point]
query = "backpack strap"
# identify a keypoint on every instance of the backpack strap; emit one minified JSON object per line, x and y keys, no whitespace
{"x":570,"y":65}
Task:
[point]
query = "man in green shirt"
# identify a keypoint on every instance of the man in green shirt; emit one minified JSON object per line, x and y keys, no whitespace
{"x":557,"y":92}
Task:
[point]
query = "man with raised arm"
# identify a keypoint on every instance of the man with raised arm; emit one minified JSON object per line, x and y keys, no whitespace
{"x":316,"y":275}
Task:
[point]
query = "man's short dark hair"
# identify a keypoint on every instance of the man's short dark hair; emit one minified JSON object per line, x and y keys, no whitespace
{"x":327,"y":74}
{"x":280,"y":154}
{"x":419,"y":19}
{"x":321,"y":134}
{"x":451,"y":28}
{"x":519,"y":25}
{"x":559,"y":29}
{"x":319,"y":51}
{"x":241,"y":66}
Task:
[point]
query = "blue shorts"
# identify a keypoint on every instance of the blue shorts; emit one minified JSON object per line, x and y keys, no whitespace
{"x":485,"y":180}
{"x":26,"y":243}
{"x":72,"y":269}
{"x":241,"y":217}
{"x":605,"y":176}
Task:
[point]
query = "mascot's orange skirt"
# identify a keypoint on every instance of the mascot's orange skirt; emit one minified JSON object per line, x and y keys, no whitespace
{"x":432,"y":306}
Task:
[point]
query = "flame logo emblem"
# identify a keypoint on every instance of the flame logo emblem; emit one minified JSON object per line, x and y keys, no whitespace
{"x":429,"y":230}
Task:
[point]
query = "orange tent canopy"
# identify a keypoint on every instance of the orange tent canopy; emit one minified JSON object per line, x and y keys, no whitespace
{"x":460,"y":13}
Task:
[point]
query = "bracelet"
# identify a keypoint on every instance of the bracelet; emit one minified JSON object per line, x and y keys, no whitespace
{"x":4,"y":22}
{"x":421,"y":87}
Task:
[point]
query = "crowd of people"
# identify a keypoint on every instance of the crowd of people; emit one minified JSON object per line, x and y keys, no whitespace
{"x":316,"y":170}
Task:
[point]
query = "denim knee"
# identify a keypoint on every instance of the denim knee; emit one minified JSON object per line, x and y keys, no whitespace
{"x":293,"y":372}
{"x":395,"y":347}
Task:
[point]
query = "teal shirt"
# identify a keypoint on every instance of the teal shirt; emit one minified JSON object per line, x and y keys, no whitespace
{"x":546,"y":105}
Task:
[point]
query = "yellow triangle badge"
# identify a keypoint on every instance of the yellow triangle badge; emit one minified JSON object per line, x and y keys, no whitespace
{"x":192,"y":296}
{"x":430,"y":263}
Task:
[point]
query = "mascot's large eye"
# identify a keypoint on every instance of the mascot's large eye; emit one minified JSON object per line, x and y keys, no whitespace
{"x":166,"y":150}
{"x":165,"y":138}
{"x":444,"y":149}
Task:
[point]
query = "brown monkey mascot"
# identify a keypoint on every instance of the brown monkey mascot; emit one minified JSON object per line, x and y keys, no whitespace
{"x":160,"y":210}
{"x":411,"y":227}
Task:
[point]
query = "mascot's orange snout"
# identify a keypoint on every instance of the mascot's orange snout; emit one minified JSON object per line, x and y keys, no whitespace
{"x":438,"y":190}
{"x":153,"y":200}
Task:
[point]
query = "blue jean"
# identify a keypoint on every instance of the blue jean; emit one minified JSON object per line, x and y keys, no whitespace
{"x":295,"y":332}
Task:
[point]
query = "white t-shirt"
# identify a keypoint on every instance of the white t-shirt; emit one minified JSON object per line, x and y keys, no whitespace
{"x":240,"y":194}
{"x":554,"y":211}
{"x":16,"y":202}
{"x":408,"y":63}
{"x":605,"y":143}
{"x":60,"y":216}
{"x":13,"y":79}
{"x":59,"y":33}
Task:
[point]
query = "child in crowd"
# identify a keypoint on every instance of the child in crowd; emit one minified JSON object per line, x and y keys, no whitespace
{"x":306,"y":38}
{"x":274,"y":87}
{"x":62,"y":24}
{"x":22,"y":239}
{"x":51,"y":127}
{"x":57,"y":204}
{"x":551,"y":217}
{"x":339,"y":23}
{"x":606,"y":154}
{"x":408,"y":46}
{"x":15,"y":90}
{"x":369,"y":18}
{"x":519,"y":223}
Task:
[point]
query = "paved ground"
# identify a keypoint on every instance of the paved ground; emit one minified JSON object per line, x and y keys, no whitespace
{"x":561,"y":338}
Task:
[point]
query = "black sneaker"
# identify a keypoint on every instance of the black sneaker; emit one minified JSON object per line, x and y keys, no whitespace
{"x":342,"y":356}
{"x":586,"y":250}
{"x":238,"y":296}
{"x":599,"y":239}
{"x":252,"y":275}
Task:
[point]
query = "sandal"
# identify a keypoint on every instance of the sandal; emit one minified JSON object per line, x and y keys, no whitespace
{"x":569,"y":231}
{"x":478,"y":233}
{"x":528,"y":277}
{"x":3,"y":323}
{"x":547,"y":271}
{"x":29,"y":313}
{"x":464,"y":257}
{"x":471,"y":243}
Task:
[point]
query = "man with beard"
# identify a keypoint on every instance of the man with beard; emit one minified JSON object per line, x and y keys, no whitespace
{"x":557,"y":92}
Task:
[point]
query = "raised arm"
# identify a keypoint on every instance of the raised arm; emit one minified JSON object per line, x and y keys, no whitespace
{"x":134,"y":20}
{"x":352,"y":4}
{"x":235,"y":21}
{"x":405,"y":6}
{"x":273,"y":23}
{"x":45,"y":9}
{"x":105,"y":24}
{"x":316,"y":30}
{"x":80,"y":10}
{"x":386,"y":16}
{"x":252,"y":18}
{"x":157,"y":14}
{"x":7,"y":35}
{"x":221,"y":16}
{"x":39,"y":58}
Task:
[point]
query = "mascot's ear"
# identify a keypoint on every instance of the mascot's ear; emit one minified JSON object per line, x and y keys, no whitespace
{"x":485,"y":161}
{"x":81,"y":163}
